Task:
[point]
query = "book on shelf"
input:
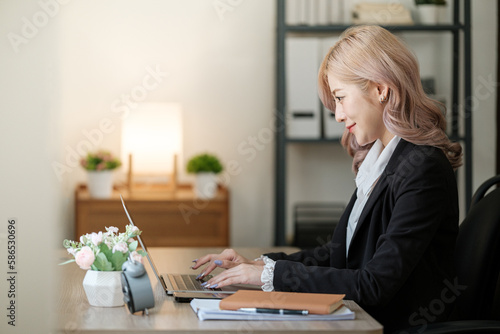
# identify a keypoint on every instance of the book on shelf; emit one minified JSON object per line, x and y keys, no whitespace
{"x":381,"y":13}
{"x":314,"y":303}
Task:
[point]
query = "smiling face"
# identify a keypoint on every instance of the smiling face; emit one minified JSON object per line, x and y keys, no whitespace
{"x":360,"y":111}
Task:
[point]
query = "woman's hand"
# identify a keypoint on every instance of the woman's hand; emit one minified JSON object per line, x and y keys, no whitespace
{"x":229,"y":259}
{"x":244,"y":273}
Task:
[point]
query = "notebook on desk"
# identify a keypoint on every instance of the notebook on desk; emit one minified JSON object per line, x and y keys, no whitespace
{"x":184,"y":287}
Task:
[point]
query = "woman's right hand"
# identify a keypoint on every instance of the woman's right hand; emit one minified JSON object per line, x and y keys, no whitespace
{"x":229,"y":258}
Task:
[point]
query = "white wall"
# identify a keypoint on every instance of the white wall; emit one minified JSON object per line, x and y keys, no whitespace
{"x":217,"y":61}
{"x":29,"y":190}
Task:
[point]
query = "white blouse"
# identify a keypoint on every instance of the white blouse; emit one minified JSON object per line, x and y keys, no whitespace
{"x":369,"y":172}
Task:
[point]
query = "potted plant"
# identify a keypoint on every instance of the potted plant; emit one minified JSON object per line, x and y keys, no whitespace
{"x":99,"y":166}
{"x":205,"y":166}
{"x":428,"y":10}
{"x":103,"y":255}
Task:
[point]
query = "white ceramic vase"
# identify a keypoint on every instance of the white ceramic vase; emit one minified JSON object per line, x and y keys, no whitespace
{"x":100,"y":183}
{"x":103,"y":288}
{"x":205,"y":185}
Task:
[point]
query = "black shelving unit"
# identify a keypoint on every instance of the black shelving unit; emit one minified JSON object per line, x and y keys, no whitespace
{"x":461,"y":33}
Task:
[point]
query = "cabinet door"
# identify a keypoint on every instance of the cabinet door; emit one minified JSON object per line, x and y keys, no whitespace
{"x":163,"y":223}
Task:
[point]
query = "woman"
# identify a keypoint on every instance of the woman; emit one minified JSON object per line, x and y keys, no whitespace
{"x":392,"y":251}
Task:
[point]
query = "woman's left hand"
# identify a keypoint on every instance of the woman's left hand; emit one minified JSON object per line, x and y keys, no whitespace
{"x":243,"y":273}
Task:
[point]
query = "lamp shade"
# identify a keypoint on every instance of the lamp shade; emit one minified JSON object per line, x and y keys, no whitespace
{"x":152,"y":133}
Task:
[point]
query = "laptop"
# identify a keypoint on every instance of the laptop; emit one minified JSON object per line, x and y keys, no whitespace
{"x":184,"y":287}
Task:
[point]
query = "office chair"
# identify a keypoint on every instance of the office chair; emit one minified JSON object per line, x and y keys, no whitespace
{"x":477,"y":261}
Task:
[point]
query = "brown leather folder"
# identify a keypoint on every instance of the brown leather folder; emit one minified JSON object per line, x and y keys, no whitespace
{"x":315,"y":303}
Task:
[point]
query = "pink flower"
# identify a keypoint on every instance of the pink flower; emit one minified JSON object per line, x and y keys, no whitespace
{"x":85,"y":257}
{"x":136,"y":256}
{"x":112,"y":229}
{"x":101,"y":166}
{"x":106,"y":157}
{"x":97,"y":238}
{"x":121,"y":247}
{"x":134,"y":231}
{"x":109,"y":243}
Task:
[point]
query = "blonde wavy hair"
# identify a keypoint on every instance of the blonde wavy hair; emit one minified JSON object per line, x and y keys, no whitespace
{"x":371,"y":54}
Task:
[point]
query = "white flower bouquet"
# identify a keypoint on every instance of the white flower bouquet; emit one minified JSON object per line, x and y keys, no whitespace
{"x":105,"y":251}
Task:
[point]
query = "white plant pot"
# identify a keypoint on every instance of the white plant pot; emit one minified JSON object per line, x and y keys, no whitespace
{"x":205,"y":185}
{"x":429,"y":14}
{"x":100,"y":183}
{"x":103,"y":288}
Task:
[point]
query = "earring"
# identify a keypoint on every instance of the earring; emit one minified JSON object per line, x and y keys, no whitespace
{"x":383,"y":99}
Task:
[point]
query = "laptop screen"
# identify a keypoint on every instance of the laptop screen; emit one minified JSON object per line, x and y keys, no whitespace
{"x":159,"y":277}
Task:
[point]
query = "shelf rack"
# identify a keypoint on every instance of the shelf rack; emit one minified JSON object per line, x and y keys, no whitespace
{"x":460,"y":30}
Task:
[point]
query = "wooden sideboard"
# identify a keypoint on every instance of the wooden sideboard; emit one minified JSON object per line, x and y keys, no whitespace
{"x":167,"y":218}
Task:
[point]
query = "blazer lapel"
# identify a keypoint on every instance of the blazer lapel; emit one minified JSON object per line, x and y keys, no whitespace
{"x":339,"y":237}
{"x":374,"y":197}
{"x":380,"y":186}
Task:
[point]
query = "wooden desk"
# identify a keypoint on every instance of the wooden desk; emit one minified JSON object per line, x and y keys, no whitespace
{"x":75,"y":315}
{"x":169,"y":219}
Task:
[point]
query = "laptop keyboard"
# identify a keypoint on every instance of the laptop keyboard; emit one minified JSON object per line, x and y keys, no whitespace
{"x":190,"y":283}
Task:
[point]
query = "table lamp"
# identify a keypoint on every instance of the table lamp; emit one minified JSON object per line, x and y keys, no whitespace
{"x":152,"y":143}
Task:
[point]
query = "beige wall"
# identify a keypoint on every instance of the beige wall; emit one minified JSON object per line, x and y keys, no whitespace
{"x":65,"y":77}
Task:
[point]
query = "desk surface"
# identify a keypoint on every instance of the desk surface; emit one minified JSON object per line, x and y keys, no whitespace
{"x":75,"y":315}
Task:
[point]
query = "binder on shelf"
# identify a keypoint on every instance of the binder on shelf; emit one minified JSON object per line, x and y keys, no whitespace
{"x":331,"y":128}
{"x":335,"y":10}
{"x":314,"y":12}
{"x":297,"y":12}
{"x":323,"y":11}
{"x":303,"y":106}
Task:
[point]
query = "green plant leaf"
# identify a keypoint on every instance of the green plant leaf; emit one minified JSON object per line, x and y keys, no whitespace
{"x":104,"y":249}
{"x":100,"y":160}
{"x":117,"y":259}
{"x":66,"y":262}
{"x":133,"y":246}
{"x":204,"y":163}
{"x":101,"y":263}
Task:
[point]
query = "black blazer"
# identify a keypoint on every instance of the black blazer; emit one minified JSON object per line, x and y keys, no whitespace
{"x":400,"y":263}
